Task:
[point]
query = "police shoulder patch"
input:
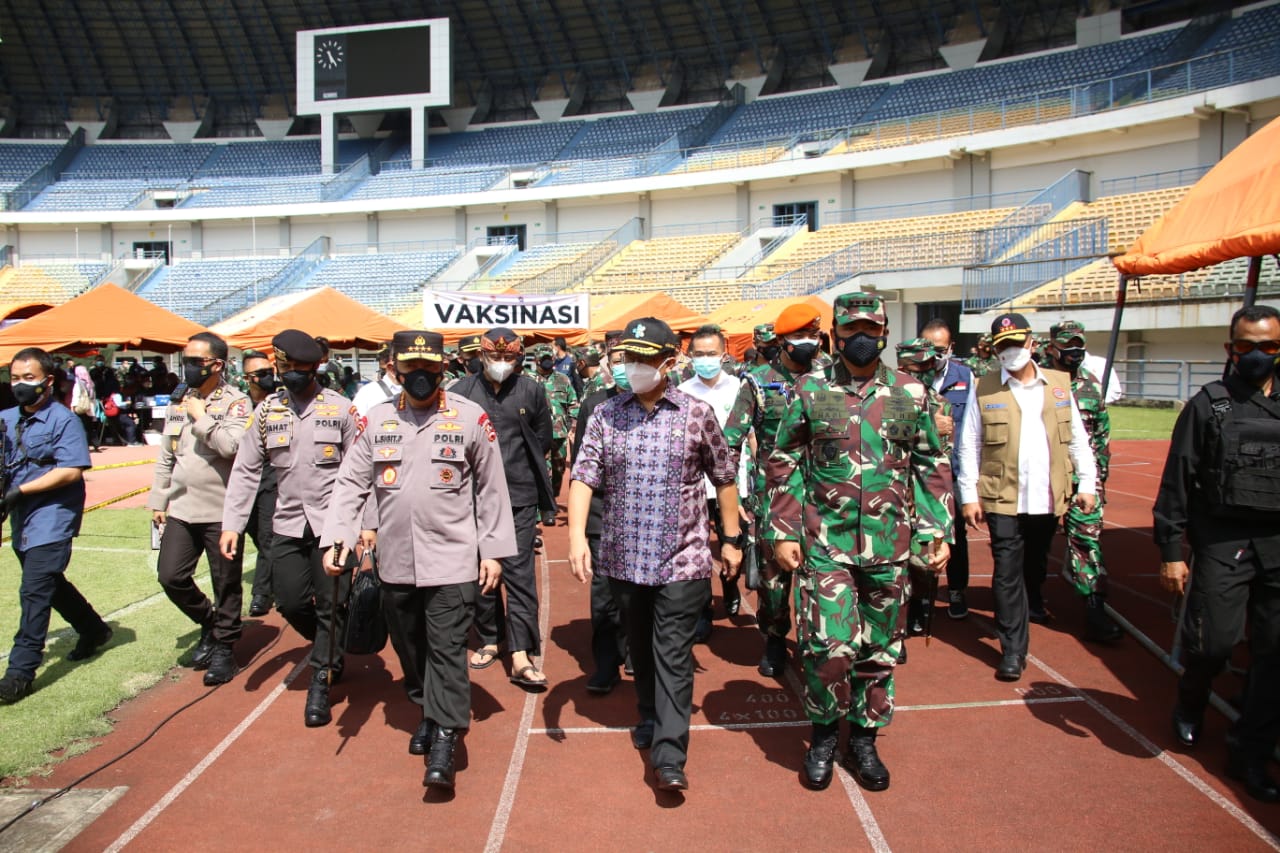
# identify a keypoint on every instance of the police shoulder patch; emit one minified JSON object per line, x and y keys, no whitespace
{"x":490,"y":433}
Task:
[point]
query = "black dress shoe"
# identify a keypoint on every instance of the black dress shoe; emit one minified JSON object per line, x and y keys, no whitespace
{"x":957,"y":606}
{"x":88,"y":644}
{"x":1253,"y":773}
{"x":1098,"y":626}
{"x":671,"y":778}
{"x":1011,"y":667}
{"x":732,"y":598}
{"x":702,"y":631}
{"x":317,"y":713}
{"x":421,"y":738}
{"x":642,"y":734}
{"x":1187,"y":726}
{"x":440,"y":762}
{"x":774,"y":662}
{"x":260,"y":605}
{"x":820,"y":758}
{"x":14,"y":688}
{"x":601,"y":683}
{"x":204,"y":649}
{"x":862,"y":760}
{"x":222,"y":666}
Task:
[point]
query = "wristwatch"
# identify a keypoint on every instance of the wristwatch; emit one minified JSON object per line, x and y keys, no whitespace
{"x":739,"y":541}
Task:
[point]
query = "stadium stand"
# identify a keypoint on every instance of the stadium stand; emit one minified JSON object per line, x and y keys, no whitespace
{"x":535,"y":261}
{"x":658,"y":263}
{"x":408,"y":183}
{"x":231,"y":192}
{"x":20,"y":160}
{"x":509,"y":145}
{"x":49,"y":282}
{"x":386,"y":281}
{"x":632,"y":134}
{"x":187,"y":286}
{"x":792,"y":115}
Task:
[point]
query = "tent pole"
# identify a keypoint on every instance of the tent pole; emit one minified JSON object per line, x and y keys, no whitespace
{"x":1121,"y":293}
{"x":1251,"y":282}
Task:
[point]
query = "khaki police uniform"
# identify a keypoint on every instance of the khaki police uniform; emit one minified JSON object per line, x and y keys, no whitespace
{"x":189,"y":486}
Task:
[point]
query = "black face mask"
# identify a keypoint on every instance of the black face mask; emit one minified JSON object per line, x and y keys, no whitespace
{"x":27,"y":393}
{"x":420,"y":384}
{"x":475,"y":365}
{"x":1255,"y":366}
{"x":195,"y":374}
{"x":862,"y":349}
{"x":1071,"y":357}
{"x":770,"y":351}
{"x":297,"y":380}
{"x":802,"y":354}
{"x":266,"y":383}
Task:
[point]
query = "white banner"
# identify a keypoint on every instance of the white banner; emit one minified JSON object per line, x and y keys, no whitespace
{"x":462,"y":310}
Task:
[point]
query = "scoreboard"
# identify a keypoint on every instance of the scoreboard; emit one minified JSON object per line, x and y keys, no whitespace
{"x":374,"y":67}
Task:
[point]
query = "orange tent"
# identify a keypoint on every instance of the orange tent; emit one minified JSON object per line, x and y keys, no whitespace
{"x":323,"y":312}
{"x":1232,"y":212}
{"x":738,"y":320}
{"x":99,"y":317}
{"x":616,"y":310}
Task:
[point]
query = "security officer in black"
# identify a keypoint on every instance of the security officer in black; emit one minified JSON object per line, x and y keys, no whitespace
{"x":1221,"y":486}
{"x":261,"y":378}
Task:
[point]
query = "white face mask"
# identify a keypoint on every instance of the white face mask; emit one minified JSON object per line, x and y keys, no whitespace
{"x":1014,"y":359}
{"x":498,"y":370}
{"x":642,"y":377}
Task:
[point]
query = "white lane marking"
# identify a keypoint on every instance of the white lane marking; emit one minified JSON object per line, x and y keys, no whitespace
{"x":176,"y":791}
{"x":1188,"y":776}
{"x":498,"y":829}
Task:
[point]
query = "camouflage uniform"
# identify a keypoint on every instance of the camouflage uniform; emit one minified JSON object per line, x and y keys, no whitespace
{"x":979,"y":365}
{"x":564,"y":410}
{"x":595,"y":383}
{"x":858,"y":475}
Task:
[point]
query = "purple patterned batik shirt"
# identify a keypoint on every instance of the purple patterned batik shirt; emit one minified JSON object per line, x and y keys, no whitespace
{"x":649,"y":467}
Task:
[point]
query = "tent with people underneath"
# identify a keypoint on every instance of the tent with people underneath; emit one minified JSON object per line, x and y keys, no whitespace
{"x":616,"y":310}
{"x":738,"y":319}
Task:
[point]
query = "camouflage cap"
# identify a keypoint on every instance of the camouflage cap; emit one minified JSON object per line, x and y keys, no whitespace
{"x":764,"y":333}
{"x":541,"y":351}
{"x":916,"y":351}
{"x":851,"y":307}
{"x":1062,"y":333}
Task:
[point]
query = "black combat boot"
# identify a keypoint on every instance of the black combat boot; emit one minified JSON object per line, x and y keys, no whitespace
{"x":862,"y":760}
{"x":222,"y":666}
{"x":316,"y":713}
{"x":204,"y":648}
{"x":440,"y":761}
{"x":819,"y":759}
{"x":774,"y":662}
{"x":1098,"y":626}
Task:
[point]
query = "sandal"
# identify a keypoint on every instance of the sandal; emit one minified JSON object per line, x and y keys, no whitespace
{"x":484,"y":657}
{"x":521,"y":677}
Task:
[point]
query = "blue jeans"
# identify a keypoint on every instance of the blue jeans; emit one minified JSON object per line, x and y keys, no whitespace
{"x":45,"y":587}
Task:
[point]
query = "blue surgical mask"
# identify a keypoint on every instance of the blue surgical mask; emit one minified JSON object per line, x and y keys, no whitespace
{"x":707,"y":366}
{"x":620,"y":376}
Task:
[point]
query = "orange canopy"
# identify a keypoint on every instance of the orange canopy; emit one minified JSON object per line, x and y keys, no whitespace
{"x":738,"y":320}
{"x":616,"y":310}
{"x":1232,"y":212}
{"x":99,"y":317}
{"x":323,"y":312}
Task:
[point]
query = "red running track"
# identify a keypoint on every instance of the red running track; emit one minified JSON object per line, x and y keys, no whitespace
{"x":1076,"y":756}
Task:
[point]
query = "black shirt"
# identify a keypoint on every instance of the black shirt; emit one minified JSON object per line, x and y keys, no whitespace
{"x":596,"y":517}
{"x":1181,"y":505}
{"x":518,"y":399}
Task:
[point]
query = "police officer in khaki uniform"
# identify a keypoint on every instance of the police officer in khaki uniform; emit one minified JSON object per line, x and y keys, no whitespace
{"x":431,"y":461}
{"x":201,"y":434}
{"x":303,"y":432}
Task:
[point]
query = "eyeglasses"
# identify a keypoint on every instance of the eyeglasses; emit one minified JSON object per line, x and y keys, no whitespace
{"x":260,"y":374}
{"x":198,"y":361}
{"x":1243,"y":347}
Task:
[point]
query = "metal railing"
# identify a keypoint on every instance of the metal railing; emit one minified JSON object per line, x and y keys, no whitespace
{"x":267,"y":286}
{"x":1154,"y":181}
{"x":21,"y":195}
{"x":1018,"y":225}
{"x":1053,"y":251}
{"x":567,"y":275}
{"x":347,"y":180}
{"x":1165,"y":379}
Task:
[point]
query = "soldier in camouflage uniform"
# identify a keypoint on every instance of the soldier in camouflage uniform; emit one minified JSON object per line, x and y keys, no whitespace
{"x":858,"y":476}
{"x":564,"y":410}
{"x":1066,"y":351}
{"x":765,"y":343}
{"x":983,"y":358}
{"x":598,"y":379}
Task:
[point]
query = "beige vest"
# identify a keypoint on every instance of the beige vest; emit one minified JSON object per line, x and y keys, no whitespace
{"x":1002,"y":432}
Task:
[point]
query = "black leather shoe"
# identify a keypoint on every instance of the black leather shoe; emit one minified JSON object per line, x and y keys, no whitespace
{"x":862,"y":760}
{"x":260,"y":605}
{"x":1098,"y":626}
{"x":820,"y":758}
{"x":421,"y":738}
{"x":1187,"y":726}
{"x":957,"y":606}
{"x":440,"y":762}
{"x":1011,"y":667}
{"x":601,"y":683}
{"x":915,"y":617}
{"x":1036,"y":611}
{"x":670,"y":778}
{"x":222,"y":666}
{"x":642,"y":735}
{"x":88,"y":644}
{"x":14,"y":688}
{"x":1257,"y":782}
{"x":732,"y":598}
{"x":317,"y":713}
{"x":702,"y":631}
{"x":204,"y":649}
{"x":774,"y":662}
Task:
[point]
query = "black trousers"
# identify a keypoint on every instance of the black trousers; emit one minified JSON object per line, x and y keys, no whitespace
{"x":958,"y":565}
{"x":517,"y":620}
{"x":45,"y":588}
{"x":180,"y":550}
{"x":660,"y":621}
{"x":428,"y":627}
{"x":304,"y":594}
{"x":1020,"y":550}
{"x":608,"y":637}
{"x":1224,"y":592}
{"x":259,"y":530}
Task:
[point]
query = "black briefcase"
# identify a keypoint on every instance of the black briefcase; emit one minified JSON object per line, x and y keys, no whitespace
{"x":366,"y":626}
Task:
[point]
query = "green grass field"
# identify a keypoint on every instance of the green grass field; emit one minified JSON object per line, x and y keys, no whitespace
{"x":1139,"y":422}
{"x":114,"y":567}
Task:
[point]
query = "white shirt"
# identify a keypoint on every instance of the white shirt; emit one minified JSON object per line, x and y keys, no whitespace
{"x":1035,"y":492}
{"x":720,"y":395}
{"x":372,"y":393}
{"x":1096,"y":364}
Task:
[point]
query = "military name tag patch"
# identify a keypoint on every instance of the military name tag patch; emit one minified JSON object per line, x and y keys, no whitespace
{"x":988,"y":406}
{"x":829,"y":406}
{"x":383,"y":438}
{"x":1062,"y":404}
